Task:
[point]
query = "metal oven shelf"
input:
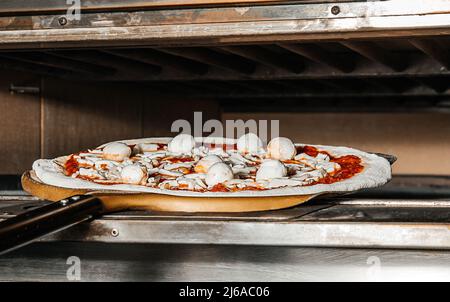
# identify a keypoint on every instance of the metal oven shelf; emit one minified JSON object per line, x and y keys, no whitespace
{"x":334,"y":222}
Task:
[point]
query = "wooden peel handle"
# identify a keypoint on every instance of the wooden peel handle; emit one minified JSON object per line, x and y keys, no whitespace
{"x":29,"y":226}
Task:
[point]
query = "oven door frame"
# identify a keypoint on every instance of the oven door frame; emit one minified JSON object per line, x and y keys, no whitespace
{"x":251,"y":23}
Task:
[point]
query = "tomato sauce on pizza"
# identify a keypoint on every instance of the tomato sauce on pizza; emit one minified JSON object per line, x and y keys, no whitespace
{"x":225,"y":167}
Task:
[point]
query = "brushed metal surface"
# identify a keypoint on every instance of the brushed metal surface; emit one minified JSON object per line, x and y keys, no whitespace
{"x":330,"y":222}
{"x":302,"y":233}
{"x":288,"y":245}
{"x":144,"y":262}
{"x":245,"y":24}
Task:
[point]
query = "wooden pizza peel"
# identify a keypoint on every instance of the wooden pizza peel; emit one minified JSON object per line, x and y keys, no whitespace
{"x":119,"y":201}
{"x":73,"y":206}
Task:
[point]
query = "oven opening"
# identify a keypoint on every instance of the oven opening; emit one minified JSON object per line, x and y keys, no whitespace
{"x":386,"y":95}
{"x":373,"y":76}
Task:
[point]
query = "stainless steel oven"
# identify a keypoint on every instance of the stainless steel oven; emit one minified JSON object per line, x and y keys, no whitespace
{"x":374,"y":75}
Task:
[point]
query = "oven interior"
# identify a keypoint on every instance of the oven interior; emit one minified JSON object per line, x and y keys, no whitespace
{"x":379,"y":94}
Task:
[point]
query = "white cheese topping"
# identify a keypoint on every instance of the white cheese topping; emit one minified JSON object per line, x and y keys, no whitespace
{"x":176,"y":166}
{"x":169,"y":173}
{"x":116,"y":151}
{"x":206,"y":162}
{"x":279,"y":183}
{"x":218,"y":173}
{"x":141,"y":148}
{"x":329,"y":167}
{"x":271,"y":169}
{"x":200,"y":168}
{"x":133,"y":174}
{"x":281,"y":148}
{"x":90,"y":173}
{"x":181,"y":144}
{"x":249,"y":143}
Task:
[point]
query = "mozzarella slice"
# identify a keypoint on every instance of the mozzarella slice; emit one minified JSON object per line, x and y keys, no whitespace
{"x":218,"y":173}
{"x":281,"y":148}
{"x":133,"y":174}
{"x":177,"y":166}
{"x":206,"y":162}
{"x":322,"y":157}
{"x":311,"y":176}
{"x":116,"y":151}
{"x":238,"y":159}
{"x":241,"y":183}
{"x":89,"y":173}
{"x":249,"y":143}
{"x":219,"y":152}
{"x":271,"y":169}
{"x":329,"y":167}
{"x":280,"y":182}
{"x":200,"y":176}
{"x":182,"y":144}
{"x":242,"y":170}
{"x":306,"y":159}
{"x":105,"y":165}
{"x":170,"y":173}
{"x":147,"y":147}
{"x":201,"y":151}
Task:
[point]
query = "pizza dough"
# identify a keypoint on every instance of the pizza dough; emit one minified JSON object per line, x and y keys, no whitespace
{"x":184,"y":166}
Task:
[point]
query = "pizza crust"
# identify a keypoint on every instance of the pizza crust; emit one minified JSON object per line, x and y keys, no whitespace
{"x":377,"y":172}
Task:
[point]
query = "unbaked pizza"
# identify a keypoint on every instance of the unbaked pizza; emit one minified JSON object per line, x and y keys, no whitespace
{"x":190,"y":166}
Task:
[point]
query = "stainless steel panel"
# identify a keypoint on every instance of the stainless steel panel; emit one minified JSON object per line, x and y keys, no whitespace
{"x":316,"y":234}
{"x":143,"y":262}
{"x":333,"y":222}
{"x":240,"y":24}
{"x":247,"y":14}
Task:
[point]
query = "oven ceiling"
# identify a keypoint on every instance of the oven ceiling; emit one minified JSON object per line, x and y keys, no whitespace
{"x":400,"y":67}
{"x":259,"y":49}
